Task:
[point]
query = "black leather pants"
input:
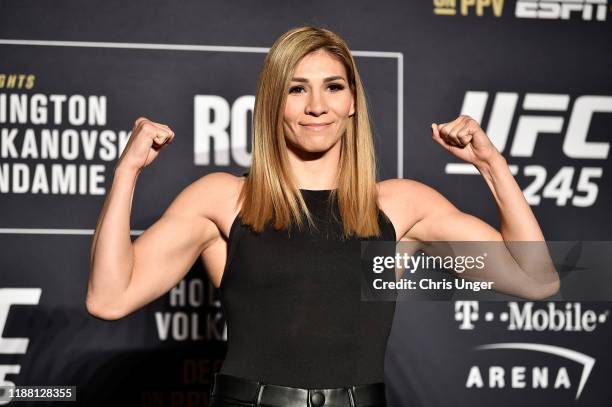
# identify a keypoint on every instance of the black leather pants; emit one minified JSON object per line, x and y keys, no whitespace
{"x":227,"y":390}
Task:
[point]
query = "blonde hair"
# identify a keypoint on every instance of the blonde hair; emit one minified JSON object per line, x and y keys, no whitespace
{"x":269,"y":193}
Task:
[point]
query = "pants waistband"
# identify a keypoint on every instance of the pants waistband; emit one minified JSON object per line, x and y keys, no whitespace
{"x":232,"y":388}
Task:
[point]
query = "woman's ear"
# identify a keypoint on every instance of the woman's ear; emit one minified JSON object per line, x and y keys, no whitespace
{"x":352,"y":111}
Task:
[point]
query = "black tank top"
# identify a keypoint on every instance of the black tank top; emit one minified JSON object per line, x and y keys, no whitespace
{"x":293,"y":308}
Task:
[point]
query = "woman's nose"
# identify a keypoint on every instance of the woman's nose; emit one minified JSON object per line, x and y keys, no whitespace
{"x":316,"y":104}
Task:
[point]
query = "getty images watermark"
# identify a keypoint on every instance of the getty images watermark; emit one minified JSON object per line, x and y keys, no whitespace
{"x":493,"y":270}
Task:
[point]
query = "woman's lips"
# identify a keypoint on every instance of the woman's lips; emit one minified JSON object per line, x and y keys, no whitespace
{"x":315,"y":127}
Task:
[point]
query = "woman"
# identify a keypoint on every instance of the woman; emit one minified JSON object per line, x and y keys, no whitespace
{"x":280,"y":243}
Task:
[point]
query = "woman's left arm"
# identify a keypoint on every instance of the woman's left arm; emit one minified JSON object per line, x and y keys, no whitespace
{"x":465,"y":139}
{"x":520,"y":268}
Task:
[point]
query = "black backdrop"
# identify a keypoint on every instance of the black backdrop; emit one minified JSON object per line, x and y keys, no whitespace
{"x":536,"y":75}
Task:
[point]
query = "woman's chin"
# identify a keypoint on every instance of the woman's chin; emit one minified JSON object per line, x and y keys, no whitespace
{"x":312,"y":145}
{"x":312,"y":149}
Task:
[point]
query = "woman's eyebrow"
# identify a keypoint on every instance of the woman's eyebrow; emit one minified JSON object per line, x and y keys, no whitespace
{"x":328,"y":79}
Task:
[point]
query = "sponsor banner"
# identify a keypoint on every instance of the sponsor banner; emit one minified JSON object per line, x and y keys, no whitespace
{"x":585,"y":10}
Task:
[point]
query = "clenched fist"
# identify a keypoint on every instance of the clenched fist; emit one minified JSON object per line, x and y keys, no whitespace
{"x":146,"y":140}
{"x":465,"y":139}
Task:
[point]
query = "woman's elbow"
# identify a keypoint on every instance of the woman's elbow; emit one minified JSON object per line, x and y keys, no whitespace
{"x":105,"y":312}
{"x":542,"y":291}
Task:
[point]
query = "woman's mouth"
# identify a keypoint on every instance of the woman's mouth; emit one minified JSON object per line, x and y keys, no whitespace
{"x":315,"y":126}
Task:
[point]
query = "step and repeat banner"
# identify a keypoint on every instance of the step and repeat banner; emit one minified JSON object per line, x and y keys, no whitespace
{"x":75,"y":75}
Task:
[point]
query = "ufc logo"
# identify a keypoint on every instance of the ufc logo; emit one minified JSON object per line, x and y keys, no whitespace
{"x":529,"y":126}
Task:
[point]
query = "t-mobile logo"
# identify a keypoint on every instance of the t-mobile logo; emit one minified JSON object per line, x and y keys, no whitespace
{"x":466,"y":312}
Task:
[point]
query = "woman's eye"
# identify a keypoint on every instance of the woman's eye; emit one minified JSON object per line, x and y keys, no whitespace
{"x":295,"y":88}
{"x":336,"y":87}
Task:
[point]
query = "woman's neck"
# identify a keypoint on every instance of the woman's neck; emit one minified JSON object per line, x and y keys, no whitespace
{"x":315,"y":171}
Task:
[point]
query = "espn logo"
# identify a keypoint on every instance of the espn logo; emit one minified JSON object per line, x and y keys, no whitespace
{"x":562,"y":9}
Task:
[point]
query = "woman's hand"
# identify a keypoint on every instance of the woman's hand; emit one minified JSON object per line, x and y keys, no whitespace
{"x":465,"y":139}
{"x":145,"y":142}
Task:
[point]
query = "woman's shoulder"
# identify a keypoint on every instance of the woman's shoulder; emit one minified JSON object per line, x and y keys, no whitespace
{"x":405,"y":201}
{"x":217,"y":185}
{"x":220,"y":180}
{"x":403,"y":191}
{"x":216,"y":194}
{"x":401,"y":186}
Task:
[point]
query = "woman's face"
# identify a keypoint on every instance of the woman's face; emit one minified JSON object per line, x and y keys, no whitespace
{"x":319,"y":103}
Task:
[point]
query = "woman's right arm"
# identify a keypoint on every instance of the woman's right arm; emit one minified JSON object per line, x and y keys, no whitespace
{"x":125,"y":276}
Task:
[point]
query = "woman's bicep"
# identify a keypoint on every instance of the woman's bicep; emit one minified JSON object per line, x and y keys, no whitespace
{"x":165,"y":252}
{"x":439,"y":220}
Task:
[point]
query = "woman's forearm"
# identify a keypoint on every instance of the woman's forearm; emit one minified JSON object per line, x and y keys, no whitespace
{"x":520,"y":230}
{"x":517,"y":221}
{"x":112,"y":257}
